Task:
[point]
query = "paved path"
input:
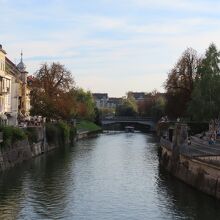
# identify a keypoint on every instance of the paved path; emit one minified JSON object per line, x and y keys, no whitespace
{"x":198,"y":148}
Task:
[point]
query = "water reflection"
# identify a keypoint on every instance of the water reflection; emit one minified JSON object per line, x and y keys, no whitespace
{"x":109,"y":177}
{"x":184,"y":200}
{"x":11,"y":193}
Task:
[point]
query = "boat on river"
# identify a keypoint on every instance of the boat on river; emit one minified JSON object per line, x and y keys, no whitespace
{"x":129,"y":129}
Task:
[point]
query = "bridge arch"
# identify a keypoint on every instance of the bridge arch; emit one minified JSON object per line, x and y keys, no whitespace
{"x":140,"y":123}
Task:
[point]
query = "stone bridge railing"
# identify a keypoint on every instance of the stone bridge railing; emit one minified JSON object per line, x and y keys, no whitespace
{"x":122,"y":118}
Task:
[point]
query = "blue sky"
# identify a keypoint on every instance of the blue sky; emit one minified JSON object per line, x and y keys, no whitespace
{"x":110,"y":46}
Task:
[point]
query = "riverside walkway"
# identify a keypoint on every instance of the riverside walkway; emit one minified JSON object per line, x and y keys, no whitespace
{"x":197,"y":148}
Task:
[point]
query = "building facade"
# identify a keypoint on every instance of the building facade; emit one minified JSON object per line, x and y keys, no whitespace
{"x":5,"y":88}
{"x":14,"y":93}
{"x":137,"y":96}
{"x":24,"y":98}
{"x":100,"y":99}
{"x":103,"y":101}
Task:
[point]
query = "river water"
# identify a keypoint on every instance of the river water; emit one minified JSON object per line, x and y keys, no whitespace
{"x":112,"y":177}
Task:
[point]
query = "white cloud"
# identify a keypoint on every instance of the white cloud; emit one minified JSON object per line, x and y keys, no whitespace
{"x":110,"y":52}
{"x":181,"y":5}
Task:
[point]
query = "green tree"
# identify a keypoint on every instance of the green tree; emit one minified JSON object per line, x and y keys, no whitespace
{"x":85,"y":104}
{"x":127,"y":108}
{"x":158,"y":108}
{"x":205,"y":102}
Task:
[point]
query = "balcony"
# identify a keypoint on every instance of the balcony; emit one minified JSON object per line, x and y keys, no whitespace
{"x":4,"y":85}
{"x":4,"y":90}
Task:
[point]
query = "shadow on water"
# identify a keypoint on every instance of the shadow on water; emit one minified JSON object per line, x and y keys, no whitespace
{"x":101,"y":177}
{"x":181,"y":200}
{"x":11,"y":193}
{"x":185,"y":200}
{"x":41,"y":187}
{"x":20,"y":186}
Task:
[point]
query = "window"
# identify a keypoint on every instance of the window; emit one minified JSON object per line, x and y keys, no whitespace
{"x":2,"y":65}
{"x":4,"y":85}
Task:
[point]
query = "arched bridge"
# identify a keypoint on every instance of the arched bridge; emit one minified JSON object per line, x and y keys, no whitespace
{"x":145,"y":121}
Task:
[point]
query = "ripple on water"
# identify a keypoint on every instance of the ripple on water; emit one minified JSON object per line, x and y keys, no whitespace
{"x":109,"y":177}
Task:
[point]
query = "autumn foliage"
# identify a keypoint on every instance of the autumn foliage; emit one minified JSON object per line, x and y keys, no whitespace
{"x":54,"y":95}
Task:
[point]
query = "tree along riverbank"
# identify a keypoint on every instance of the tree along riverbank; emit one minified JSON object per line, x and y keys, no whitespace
{"x":21,"y":144}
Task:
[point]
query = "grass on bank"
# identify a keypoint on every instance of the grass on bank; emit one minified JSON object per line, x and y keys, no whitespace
{"x":89,"y":126}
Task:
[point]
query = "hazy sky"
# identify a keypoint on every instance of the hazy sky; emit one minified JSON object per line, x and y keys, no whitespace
{"x":110,"y":46}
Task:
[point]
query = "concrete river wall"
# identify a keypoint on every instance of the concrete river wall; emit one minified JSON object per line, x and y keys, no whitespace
{"x":200,"y":172}
{"x":25,"y":149}
{"x":200,"y":175}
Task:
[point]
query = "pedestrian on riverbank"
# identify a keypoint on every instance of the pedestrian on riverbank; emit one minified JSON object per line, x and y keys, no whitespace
{"x":189,"y":141}
{"x":211,"y":140}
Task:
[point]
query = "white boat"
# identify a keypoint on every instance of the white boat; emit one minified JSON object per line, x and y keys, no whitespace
{"x":129,"y":129}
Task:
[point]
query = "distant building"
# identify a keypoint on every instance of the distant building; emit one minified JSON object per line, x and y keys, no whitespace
{"x":114,"y":102}
{"x":138,"y":96}
{"x":100,"y":99}
{"x":103,"y":101}
{"x":5,"y":87}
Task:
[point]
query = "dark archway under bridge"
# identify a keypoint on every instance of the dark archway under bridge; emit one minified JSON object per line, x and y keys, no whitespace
{"x":144,"y":124}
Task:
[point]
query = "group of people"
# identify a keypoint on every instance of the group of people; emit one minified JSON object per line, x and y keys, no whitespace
{"x":214,"y":130}
{"x":31,"y":121}
{"x":164,"y":119}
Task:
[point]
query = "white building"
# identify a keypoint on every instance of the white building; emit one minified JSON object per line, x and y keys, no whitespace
{"x":5,"y":88}
{"x":14,"y":94}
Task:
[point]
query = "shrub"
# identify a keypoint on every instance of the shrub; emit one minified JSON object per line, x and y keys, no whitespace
{"x":11,"y":135}
{"x":60,"y":132}
{"x":52,"y":132}
{"x":18,"y":134}
{"x":32,"y":134}
{"x":72,"y":132}
{"x":64,"y":130}
{"x":198,"y":127}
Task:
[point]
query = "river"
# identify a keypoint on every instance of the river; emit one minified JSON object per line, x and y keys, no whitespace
{"x":112,"y":177}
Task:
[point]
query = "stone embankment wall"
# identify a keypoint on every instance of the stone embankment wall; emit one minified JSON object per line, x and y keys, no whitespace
{"x":195,"y":172}
{"x":25,"y":149}
{"x":36,"y":145}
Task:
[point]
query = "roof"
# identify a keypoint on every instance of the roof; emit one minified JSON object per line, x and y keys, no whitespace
{"x":100,"y":95}
{"x":138,"y":95}
{"x":21,"y":66}
{"x":115,"y":100}
{"x":12,"y":68}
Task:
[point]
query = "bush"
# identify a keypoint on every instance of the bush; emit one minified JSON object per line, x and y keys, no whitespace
{"x":18,"y":134}
{"x":52,"y":132}
{"x":64,"y":130}
{"x":72,"y":132}
{"x":32,"y":134}
{"x":198,"y":127}
{"x":11,"y":135}
{"x":59,"y":133}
